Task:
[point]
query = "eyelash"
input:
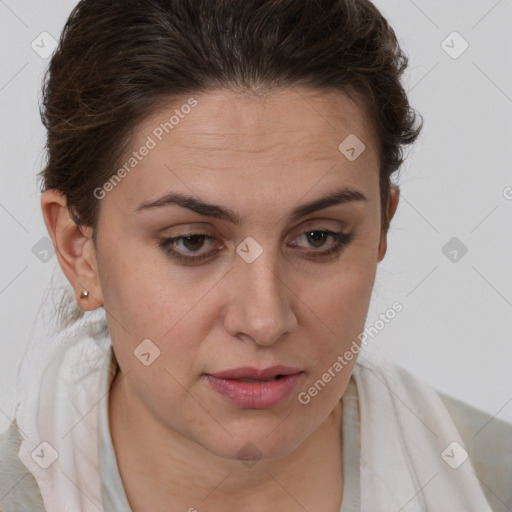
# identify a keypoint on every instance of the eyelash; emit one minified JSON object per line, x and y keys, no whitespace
{"x":341,"y":240}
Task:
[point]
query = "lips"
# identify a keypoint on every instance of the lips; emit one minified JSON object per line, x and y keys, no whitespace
{"x":253,"y":388}
{"x":255,"y":374}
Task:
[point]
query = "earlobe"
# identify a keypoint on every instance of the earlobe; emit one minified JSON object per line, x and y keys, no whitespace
{"x":74,"y":249}
{"x":394,"y":196}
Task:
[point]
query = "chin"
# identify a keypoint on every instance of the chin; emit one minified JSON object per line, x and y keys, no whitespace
{"x":251,"y":444}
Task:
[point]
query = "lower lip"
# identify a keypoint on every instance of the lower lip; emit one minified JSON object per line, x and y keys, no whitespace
{"x":255,"y":395}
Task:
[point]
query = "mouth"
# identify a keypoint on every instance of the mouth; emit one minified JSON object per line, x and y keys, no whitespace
{"x":252,"y":388}
{"x":255,"y":374}
{"x":276,"y":377}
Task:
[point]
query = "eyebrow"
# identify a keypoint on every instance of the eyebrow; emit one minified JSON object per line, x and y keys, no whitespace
{"x":339,"y":196}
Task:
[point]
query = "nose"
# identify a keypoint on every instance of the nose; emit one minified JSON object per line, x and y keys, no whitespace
{"x":260,"y":307}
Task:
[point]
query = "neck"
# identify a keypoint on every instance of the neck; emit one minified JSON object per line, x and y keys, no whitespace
{"x":163,"y":470}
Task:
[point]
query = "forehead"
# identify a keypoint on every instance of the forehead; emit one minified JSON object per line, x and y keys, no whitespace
{"x":287,"y":139}
{"x":223,"y":117}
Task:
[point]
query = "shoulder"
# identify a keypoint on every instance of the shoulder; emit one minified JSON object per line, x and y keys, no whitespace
{"x":488,"y":441}
{"x":19,"y":491}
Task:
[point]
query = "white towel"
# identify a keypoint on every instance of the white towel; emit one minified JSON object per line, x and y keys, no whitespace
{"x":59,"y":397}
{"x":412,"y":456}
{"x":405,"y":428}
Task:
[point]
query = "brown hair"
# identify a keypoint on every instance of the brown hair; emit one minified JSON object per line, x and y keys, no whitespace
{"x":118,"y":60}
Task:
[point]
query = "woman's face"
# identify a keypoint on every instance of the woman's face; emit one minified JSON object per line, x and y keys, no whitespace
{"x":265,"y":287}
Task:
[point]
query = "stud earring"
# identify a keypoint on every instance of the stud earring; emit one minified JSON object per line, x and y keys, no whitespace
{"x":84,"y":295}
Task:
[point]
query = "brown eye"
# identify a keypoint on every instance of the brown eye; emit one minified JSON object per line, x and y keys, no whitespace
{"x":193,"y":242}
{"x":190,"y":244}
{"x":317,"y":237}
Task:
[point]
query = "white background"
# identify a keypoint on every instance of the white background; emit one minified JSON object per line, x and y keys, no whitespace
{"x":455,"y":327}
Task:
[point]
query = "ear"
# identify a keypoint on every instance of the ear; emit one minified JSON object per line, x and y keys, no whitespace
{"x":394,"y":195}
{"x":74,"y":248}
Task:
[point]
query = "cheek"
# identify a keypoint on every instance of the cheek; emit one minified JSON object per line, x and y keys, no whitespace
{"x":340,"y":308}
{"x":141,"y":290}
{"x":144,"y":302}
{"x":337,"y":310}
{"x":342,"y":299}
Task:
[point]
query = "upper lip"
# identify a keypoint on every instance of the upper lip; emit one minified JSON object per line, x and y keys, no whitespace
{"x":248,"y":372}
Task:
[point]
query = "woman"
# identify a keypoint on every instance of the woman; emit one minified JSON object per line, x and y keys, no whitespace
{"x":218,"y":191}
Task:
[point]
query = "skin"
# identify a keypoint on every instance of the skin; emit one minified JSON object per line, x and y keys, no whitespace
{"x":176,"y":439}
